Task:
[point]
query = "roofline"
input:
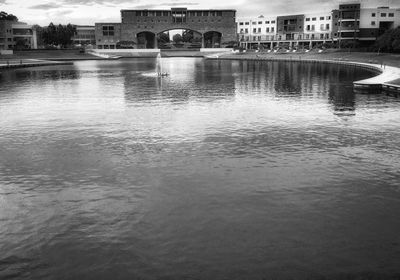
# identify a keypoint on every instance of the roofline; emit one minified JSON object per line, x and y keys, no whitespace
{"x":134,"y":10}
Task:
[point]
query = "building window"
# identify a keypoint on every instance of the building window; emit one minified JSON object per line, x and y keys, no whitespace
{"x":259,"y":38}
{"x":246,"y":30}
{"x":312,"y":27}
{"x":314,"y":19}
{"x":254,"y":23}
{"x":254,"y":30}
{"x":308,"y":28}
{"x":373,"y":14}
{"x":383,"y":14}
{"x":273,"y":21}
{"x":308,"y":19}
{"x":260,"y":22}
{"x":328,"y":17}
{"x":158,"y":13}
{"x":321,"y":18}
{"x":259,"y":30}
{"x":267,"y":30}
{"x":267,"y":22}
{"x":272,"y":29}
{"x":205,"y":14}
{"x":372,"y":22}
{"x":240,"y":23}
{"x":327,"y":26}
{"x":108,"y":30}
{"x":391,"y":14}
{"x":321,"y":27}
{"x":246,"y":23}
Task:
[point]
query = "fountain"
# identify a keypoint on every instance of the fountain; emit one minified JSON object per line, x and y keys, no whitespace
{"x":159,"y":70}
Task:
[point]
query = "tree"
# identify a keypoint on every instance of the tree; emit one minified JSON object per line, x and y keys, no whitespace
{"x":177,"y":38}
{"x":60,"y":35}
{"x":187,"y":36}
{"x":163,"y":38}
{"x":5,"y":16}
{"x":20,"y":44}
{"x":389,"y":41}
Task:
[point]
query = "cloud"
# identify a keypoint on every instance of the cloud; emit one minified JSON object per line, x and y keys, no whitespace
{"x":3,"y":2}
{"x":46,"y":6}
{"x":96,"y":2}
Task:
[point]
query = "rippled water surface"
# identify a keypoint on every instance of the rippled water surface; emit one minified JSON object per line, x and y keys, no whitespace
{"x":222,"y":170}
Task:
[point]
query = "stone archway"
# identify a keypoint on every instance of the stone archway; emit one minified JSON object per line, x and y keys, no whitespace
{"x":146,"y":40}
{"x":212,"y":39}
{"x":189,"y":38}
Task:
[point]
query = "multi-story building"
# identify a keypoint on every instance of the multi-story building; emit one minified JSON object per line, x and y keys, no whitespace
{"x":318,"y":27}
{"x":374,"y":22}
{"x":142,"y":27}
{"x":15,"y":34}
{"x":349,"y":24}
{"x":346,"y":22}
{"x":84,"y":36}
{"x":290,"y":31}
{"x":254,"y":30}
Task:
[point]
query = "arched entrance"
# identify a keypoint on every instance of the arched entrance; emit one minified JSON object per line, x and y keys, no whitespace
{"x":212,"y":39}
{"x":179,"y":39}
{"x":146,"y":40}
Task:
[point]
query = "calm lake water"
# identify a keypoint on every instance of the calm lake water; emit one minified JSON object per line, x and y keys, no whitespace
{"x":223,"y":170}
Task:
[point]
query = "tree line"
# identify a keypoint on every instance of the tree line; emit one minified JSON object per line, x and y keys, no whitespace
{"x":57,"y":35}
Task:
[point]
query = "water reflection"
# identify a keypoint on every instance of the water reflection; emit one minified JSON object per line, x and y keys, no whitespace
{"x":222,"y":170}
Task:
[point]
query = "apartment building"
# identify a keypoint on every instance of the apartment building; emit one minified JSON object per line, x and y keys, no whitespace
{"x":289,"y":31}
{"x":349,"y":23}
{"x":318,"y":26}
{"x":253,"y":31}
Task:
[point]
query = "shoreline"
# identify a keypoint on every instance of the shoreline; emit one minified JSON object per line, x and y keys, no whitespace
{"x":387,"y":66}
{"x":25,"y":63}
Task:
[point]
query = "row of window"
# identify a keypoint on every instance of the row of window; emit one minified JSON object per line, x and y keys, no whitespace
{"x":321,"y":36}
{"x":323,"y":27}
{"x":106,"y":46}
{"x":257,"y":30}
{"x":383,"y":14}
{"x":168,"y":13}
{"x":320,"y":18}
{"x":255,"y":23}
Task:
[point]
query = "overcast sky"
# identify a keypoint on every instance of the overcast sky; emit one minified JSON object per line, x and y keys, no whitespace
{"x":90,"y":11}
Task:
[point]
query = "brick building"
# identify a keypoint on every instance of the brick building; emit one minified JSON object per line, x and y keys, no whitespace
{"x":215,"y":28}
